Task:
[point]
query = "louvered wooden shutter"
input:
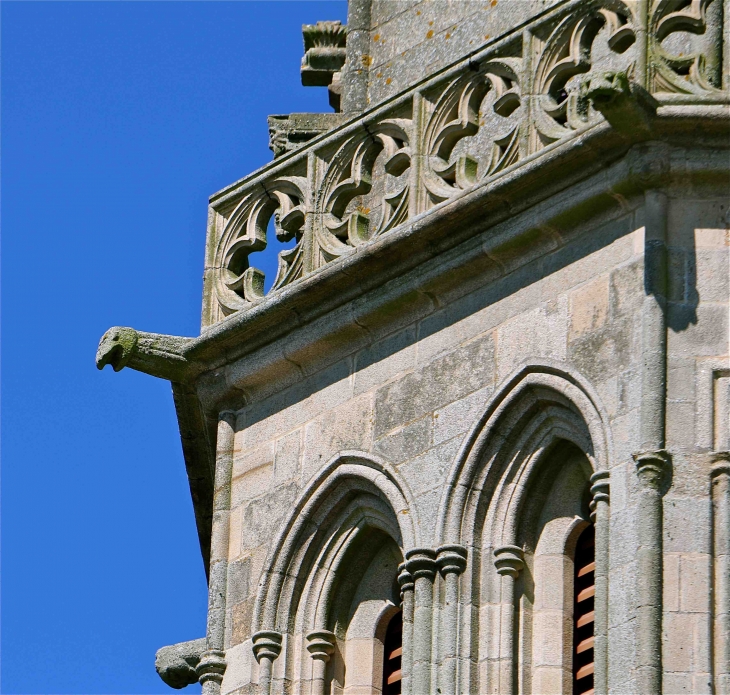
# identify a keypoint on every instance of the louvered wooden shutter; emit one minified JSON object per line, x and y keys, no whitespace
{"x":583,"y":613}
{"x":393,"y":653}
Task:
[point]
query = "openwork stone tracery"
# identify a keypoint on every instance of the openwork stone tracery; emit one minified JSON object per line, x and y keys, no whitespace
{"x":460,"y":130}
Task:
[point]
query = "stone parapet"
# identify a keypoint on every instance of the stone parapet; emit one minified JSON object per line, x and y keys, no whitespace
{"x":506,"y":106}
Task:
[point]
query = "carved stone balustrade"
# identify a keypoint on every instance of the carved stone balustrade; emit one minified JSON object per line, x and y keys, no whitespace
{"x":516,"y":103}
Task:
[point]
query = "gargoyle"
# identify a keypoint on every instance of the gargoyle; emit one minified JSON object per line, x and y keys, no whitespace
{"x":624,"y":104}
{"x":159,"y":355}
{"x":176,"y":664}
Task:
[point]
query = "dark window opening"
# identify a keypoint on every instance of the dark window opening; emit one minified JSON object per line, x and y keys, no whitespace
{"x":392,"y":657}
{"x":583,"y":612}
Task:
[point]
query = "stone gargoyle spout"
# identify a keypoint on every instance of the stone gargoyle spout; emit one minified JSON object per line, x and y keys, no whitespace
{"x":625,"y":105}
{"x":152,"y":353}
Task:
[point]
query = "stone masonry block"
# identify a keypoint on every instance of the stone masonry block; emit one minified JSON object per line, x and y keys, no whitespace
{"x":457,"y":418}
{"x":296,"y":405}
{"x":686,"y":217}
{"x":686,"y":524}
{"x":470,"y":316}
{"x":589,"y":307}
{"x":713,"y":274}
{"x":346,"y":427}
{"x":252,"y":484}
{"x":429,"y":470}
{"x":679,"y":636}
{"x":239,"y":585}
{"x":234,"y":533}
{"x":670,"y":582}
{"x":241,"y":616}
{"x":262,"y":517}
{"x":695,"y":574}
{"x":627,"y":289}
{"x":456,"y":374}
{"x":406,"y":442}
{"x":238,"y":671}
{"x":244,"y":462}
{"x":680,"y":425}
{"x":540,"y":333}
{"x":385,"y":360}
{"x":681,"y":379}
{"x":286,"y":457}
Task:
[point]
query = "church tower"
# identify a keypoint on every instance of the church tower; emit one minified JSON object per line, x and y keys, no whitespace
{"x":475,"y":438}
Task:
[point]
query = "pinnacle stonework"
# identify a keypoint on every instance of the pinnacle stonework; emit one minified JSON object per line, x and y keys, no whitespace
{"x":503,"y":329}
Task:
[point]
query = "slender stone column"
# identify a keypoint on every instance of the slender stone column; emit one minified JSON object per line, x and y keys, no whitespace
{"x":321,"y":645}
{"x":451,"y":561}
{"x":266,"y":648}
{"x":420,"y":562}
{"x":721,"y":571}
{"x":652,"y":461}
{"x":405,"y":579}
{"x":600,"y":515}
{"x":654,"y":325}
{"x":652,"y":468}
{"x":509,"y":560}
{"x":212,"y":664}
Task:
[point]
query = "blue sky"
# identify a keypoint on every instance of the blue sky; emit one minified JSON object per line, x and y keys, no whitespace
{"x":119,"y":119}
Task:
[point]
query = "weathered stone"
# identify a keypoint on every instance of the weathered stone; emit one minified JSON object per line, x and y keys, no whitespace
{"x":176,"y":664}
{"x":500,"y":340}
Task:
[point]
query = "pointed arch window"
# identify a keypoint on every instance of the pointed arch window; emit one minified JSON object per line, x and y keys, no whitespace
{"x":584,"y":590}
{"x":393,"y":652}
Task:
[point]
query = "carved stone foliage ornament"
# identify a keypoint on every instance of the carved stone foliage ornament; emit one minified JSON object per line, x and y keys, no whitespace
{"x":567,"y":70}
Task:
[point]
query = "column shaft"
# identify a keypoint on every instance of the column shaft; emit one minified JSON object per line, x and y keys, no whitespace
{"x":451,"y":562}
{"x":509,"y":562}
{"x":652,"y":468}
{"x":406,"y":593}
{"x":721,"y":573}
{"x":212,"y":663}
{"x":601,"y":521}
{"x":420,"y":562}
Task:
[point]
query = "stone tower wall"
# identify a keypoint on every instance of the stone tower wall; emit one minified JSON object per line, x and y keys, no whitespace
{"x":505,"y":316}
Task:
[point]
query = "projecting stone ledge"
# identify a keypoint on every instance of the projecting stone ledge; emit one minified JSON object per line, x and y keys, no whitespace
{"x":290,"y":131}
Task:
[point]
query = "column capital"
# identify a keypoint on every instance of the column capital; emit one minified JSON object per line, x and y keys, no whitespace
{"x":421,"y":562}
{"x":653,"y":468}
{"x":509,"y":560}
{"x":600,"y":486}
{"x":266,"y":644}
{"x":212,"y":666}
{"x":321,"y":644}
{"x":600,"y":491}
{"x":451,"y":559}
{"x":405,"y":579}
{"x":720,"y":461}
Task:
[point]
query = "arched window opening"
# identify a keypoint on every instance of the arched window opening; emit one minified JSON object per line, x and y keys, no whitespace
{"x":393,"y":652}
{"x":584,"y":589}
